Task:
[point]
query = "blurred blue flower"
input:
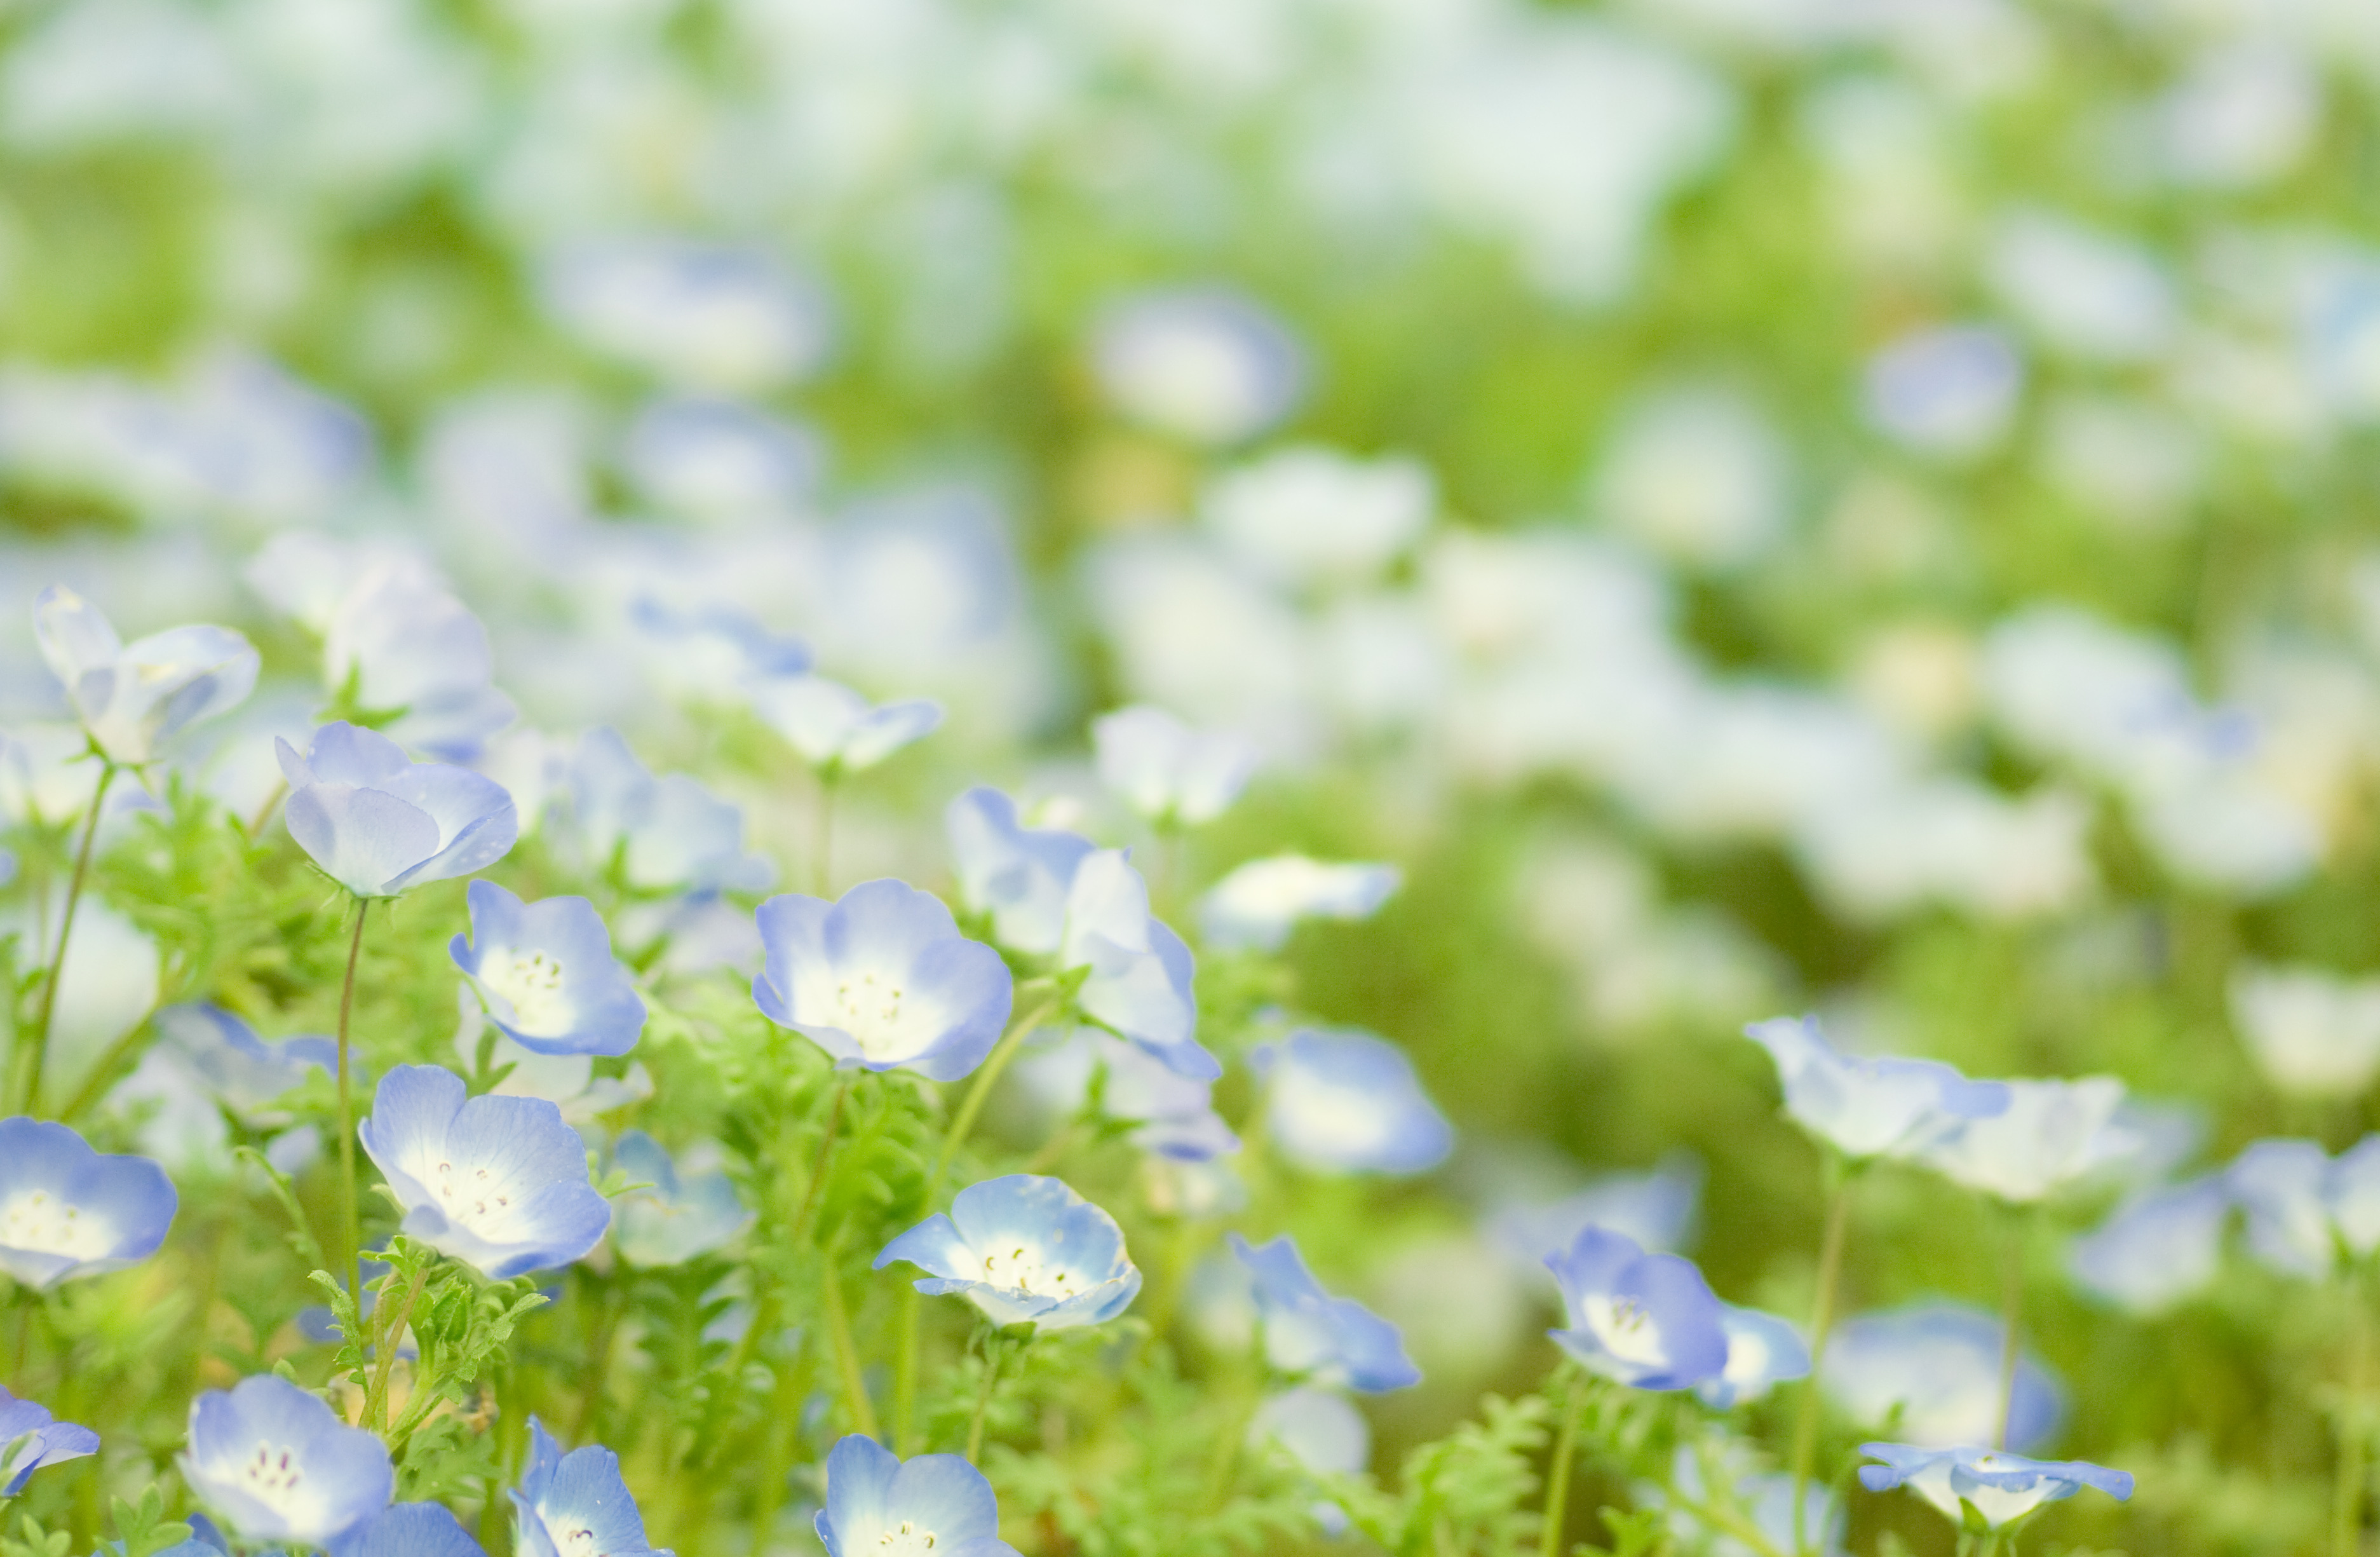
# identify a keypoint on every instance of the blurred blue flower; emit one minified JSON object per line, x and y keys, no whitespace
{"x":1204,"y":363}
{"x":719,"y":460}
{"x":1762,"y":1351}
{"x":241,"y":1069}
{"x":1870,"y":1107}
{"x":1259,"y":904}
{"x":31,"y":1438}
{"x":409,"y":1529}
{"x":880,"y":1505}
{"x":1339,"y":1097}
{"x":1019,"y":875}
{"x":546,"y":971}
{"x":2305,"y":1209}
{"x":1174,"y":1114}
{"x":714,"y":651}
{"x":2000,"y":1486}
{"x":1659,"y":1207}
{"x":1169,"y":773}
{"x":402,"y":645}
{"x":679,"y":1218}
{"x":378,"y":823}
{"x":1946,"y":391}
{"x":667,"y":831}
{"x":575,"y":1504}
{"x":1309,"y":1333}
{"x":499,"y":1183}
{"x":66,"y":1211}
{"x":1139,"y":983}
{"x":1938,"y":1366}
{"x":706,"y":316}
{"x":1647,"y":1321}
{"x":2159,"y":1248}
{"x":836,"y":729}
{"x":131,"y":697}
{"x":1321,"y":1431}
{"x":1766,"y":1499}
{"x":205,"y":1064}
{"x":882,"y":978}
{"x":1024,"y":1249}
{"x":2052,"y":1136}
{"x":281,"y":1466}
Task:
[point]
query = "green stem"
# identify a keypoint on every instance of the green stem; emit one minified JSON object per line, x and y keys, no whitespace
{"x":825,"y":1156}
{"x":1549,"y":1543}
{"x":101,"y":1077}
{"x":597,"y":1373}
{"x":846,"y":1353}
{"x":41,"y":1042}
{"x":986,"y":1075}
{"x":2347,"y":1506}
{"x":391,"y":1329}
{"x":1805,"y":1428}
{"x":992,"y":1357}
{"x":2012,"y":1322}
{"x":905,"y":1369}
{"x":351,"y":1223}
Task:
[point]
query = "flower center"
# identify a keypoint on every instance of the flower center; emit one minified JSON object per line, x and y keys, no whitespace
{"x":1626,"y":1331}
{"x":905,"y":1540}
{"x":530,"y":982}
{"x":869,"y":1009}
{"x":577,"y":1540}
{"x":471,"y":1195}
{"x":271,"y":1474}
{"x":1022,"y":1269}
{"x":40,"y":1223}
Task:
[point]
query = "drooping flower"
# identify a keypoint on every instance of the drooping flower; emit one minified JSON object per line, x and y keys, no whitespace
{"x":575,"y":1504}
{"x":1341,"y":1099}
{"x":546,"y":971}
{"x":499,"y":1183}
{"x":66,"y":1211}
{"x":409,"y":1529}
{"x":2159,"y":1249}
{"x":668,"y":833}
{"x":132,"y":698}
{"x":2052,"y":1136}
{"x":31,"y":1438}
{"x":1762,"y":1351}
{"x":680,"y":1216}
{"x":1139,"y":983}
{"x":1259,"y":904}
{"x":835,"y":729}
{"x":2307,"y":1210}
{"x":1024,"y":1249}
{"x":880,"y":1505}
{"x":1169,"y":773}
{"x":882,"y":978}
{"x":1648,"y":1320}
{"x":281,"y":1466}
{"x":1019,"y":875}
{"x":1172,"y":1115}
{"x":1868,"y":1108}
{"x":378,"y":823}
{"x":2000,"y":1487}
{"x":1307,"y":1331}
{"x":1933,"y":1368}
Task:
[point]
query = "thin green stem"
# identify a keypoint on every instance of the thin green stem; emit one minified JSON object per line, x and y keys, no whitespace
{"x":825,"y":1158}
{"x":2346,"y":1504}
{"x":2013,"y":1325}
{"x":1549,"y":1542}
{"x":993,"y":1357}
{"x":905,"y":1369}
{"x":31,"y":1095}
{"x":846,"y":1353}
{"x":986,"y":1075}
{"x":391,"y":1329}
{"x":1822,"y":1316}
{"x":351,"y":1219}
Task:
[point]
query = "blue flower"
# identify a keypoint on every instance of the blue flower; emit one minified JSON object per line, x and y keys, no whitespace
{"x":703,"y":315}
{"x":1204,"y":363}
{"x":378,"y":823}
{"x":882,"y":978}
{"x":1261,"y":902}
{"x":401,"y":644}
{"x":836,"y":729}
{"x":240,"y":1069}
{"x":66,"y":1211}
{"x":1166,"y":771}
{"x":2306,"y":1211}
{"x":1342,"y":1098}
{"x":575,"y":1504}
{"x":677,"y":1218}
{"x":1173,"y":1115}
{"x":715,"y":651}
{"x":1938,"y":1365}
{"x":2000,"y":1487}
{"x":547,"y":973}
{"x":499,"y":1183}
{"x":719,"y":460}
{"x":31,"y":1438}
{"x":1308,"y":1332}
{"x":1139,"y":986}
{"x":668,"y":831}
{"x":2160,"y":1248}
{"x":1021,"y":1249}
{"x":880,"y":1505}
{"x":2053,"y":1135}
{"x":131,"y":697}
{"x":409,"y":1529}
{"x":1324,"y":1434}
{"x":1766,"y":1499}
{"x":1762,"y":1351}
{"x":1659,"y":1207}
{"x":1647,"y":1321}
{"x":1019,"y":875}
{"x":1868,"y":1108}
{"x":279,"y":1465}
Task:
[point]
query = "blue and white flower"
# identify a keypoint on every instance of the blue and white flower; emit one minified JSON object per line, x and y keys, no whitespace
{"x":133,"y":696}
{"x":1766,"y":1498}
{"x":719,"y":460}
{"x":68,"y":1211}
{"x":206,"y":1064}
{"x":2159,"y":1248}
{"x":681,"y":1216}
{"x":546,"y":971}
{"x":1323,"y":1432}
{"x":668,"y":833}
{"x":1647,"y":1321}
{"x":1171,"y":774}
{"x":409,"y":1529}
{"x":880,"y":1505}
{"x":1024,"y":1249}
{"x":1139,"y":982}
{"x":378,"y":823}
{"x":2308,"y":1212}
{"x":1019,"y":875}
{"x":705,"y":316}
{"x":1203,"y":363}
{"x":2052,"y":1136}
{"x":401,"y":644}
{"x":31,"y":1438}
{"x":2313,"y":1033}
{"x":575,"y":1504}
{"x":1763,"y":1352}
{"x":1659,"y":1207}
{"x":1259,"y":904}
{"x":881,"y":980}
{"x":1172,"y":1114}
{"x":568,"y":1082}
{"x":1934,"y":1370}
{"x":499,"y":1183}
{"x":836,"y":729}
{"x":1310,"y":1333}
{"x":281,"y":1466}
{"x":1867,"y":1108}
{"x":2000,"y":1487}
{"x":714,"y":651}
{"x":1342,"y":1100}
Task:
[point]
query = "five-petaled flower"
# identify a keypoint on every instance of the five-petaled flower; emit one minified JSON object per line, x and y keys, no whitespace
{"x":1643,"y":1319}
{"x":1139,"y":979}
{"x":547,"y":973}
{"x":408,"y":1529}
{"x":1022,"y":1248}
{"x":31,"y":1438}
{"x":1169,"y":773}
{"x":378,"y":823}
{"x":575,"y":1504}
{"x":279,"y":1464}
{"x":2000,"y":1487}
{"x":1867,"y":1108}
{"x":66,"y":1211}
{"x":931,"y":1506}
{"x":836,"y":729}
{"x":677,"y":1216}
{"x":1309,"y":1333}
{"x":132,"y":696}
{"x":1019,"y":875}
{"x":1342,"y":1098}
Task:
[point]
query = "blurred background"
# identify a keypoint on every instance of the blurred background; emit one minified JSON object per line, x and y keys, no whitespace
{"x":1865,"y":505}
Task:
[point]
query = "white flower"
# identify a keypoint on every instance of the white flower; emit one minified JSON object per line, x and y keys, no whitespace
{"x":2313,"y":1033}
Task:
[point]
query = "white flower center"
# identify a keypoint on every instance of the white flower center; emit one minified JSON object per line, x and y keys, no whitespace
{"x":473,"y":1196}
{"x":40,"y":1223}
{"x":1626,"y":1331}
{"x":576,"y":1541}
{"x":530,"y":982}
{"x":869,"y":1009}
{"x":272,"y":1475}
{"x":1022,"y":1269}
{"x":905,"y":1540}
